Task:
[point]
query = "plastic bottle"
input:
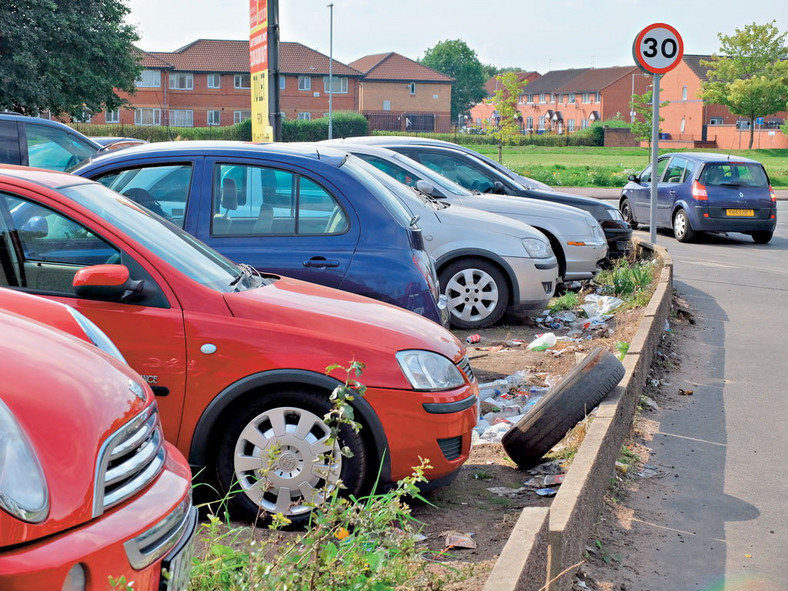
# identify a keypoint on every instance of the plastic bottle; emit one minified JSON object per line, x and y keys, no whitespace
{"x":542,"y":342}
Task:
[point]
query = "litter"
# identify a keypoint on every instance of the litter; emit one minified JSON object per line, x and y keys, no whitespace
{"x":683,"y":392}
{"x":650,"y":402}
{"x":542,"y":342}
{"x":505,"y":491}
{"x":554,"y":479}
{"x":597,"y":305}
{"x":455,"y":539}
{"x":547,"y":492}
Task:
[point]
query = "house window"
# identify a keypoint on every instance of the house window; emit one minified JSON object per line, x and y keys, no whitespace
{"x":149,"y":79}
{"x":598,"y":97}
{"x":529,"y":123}
{"x":182,"y":81}
{"x":214,"y":117}
{"x":242,"y":81}
{"x":112,"y":116}
{"x":541,"y":123}
{"x":305,"y":116}
{"x":214,"y":80}
{"x":304,"y":83}
{"x":282,"y":82}
{"x":572,"y":97}
{"x":181,"y":118}
{"x":412,"y":88}
{"x":570,"y":125}
{"x":529,"y":98}
{"x":683,"y":123}
{"x":239,"y":116}
{"x":586,"y":97}
{"x":564,"y":98}
{"x":542,"y":98}
{"x":684,"y":93}
{"x":716,"y":121}
{"x":583,"y":123}
{"x":387,"y":105}
{"x":147,"y":116}
{"x":85,"y":117}
{"x":339,"y":85}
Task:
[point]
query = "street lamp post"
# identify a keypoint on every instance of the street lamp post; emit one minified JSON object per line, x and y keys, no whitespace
{"x":330,"y":70}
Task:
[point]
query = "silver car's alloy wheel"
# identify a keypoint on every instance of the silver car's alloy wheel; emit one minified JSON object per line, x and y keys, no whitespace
{"x":477,"y":292}
{"x":283,"y":463}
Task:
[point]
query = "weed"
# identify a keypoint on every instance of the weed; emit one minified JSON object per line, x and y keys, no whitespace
{"x":622,"y":348}
{"x":569,"y":301}
{"x":482,"y":475}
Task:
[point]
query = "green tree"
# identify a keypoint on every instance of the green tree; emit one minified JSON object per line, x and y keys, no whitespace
{"x":505,"y":100}
{"x":750,"y":77}
{"x":454,"y":58}
{"x":641,"y":104}
{"x":65,"y":56}
{"x":490,"y":71}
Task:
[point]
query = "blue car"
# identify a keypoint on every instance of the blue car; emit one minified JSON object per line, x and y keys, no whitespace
{"x":699,"y":192}
{"x":308,"y":213}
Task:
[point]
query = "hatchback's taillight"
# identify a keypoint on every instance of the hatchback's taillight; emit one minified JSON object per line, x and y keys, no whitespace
{"x":773,"y":194}
{"x":699,"y":191}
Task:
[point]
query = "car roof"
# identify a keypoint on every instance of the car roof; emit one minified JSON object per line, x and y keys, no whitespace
{"x":330,"y":155}
{"x":46,"y":178}
{"x":712,"y":157}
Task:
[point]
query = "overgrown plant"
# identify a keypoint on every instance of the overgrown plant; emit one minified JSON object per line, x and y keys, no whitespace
{"x":350,"y":543}
{"x":633,"y":282}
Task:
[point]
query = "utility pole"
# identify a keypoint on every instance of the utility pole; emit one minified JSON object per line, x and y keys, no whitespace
{"x":330,"y":70}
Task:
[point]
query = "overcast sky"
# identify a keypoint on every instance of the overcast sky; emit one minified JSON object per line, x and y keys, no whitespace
{"x":542,"y":36}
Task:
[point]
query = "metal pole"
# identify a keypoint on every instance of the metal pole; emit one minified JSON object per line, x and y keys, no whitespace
{"x":330,"y":71}
{"x":631,"y":99}
{"x":654,"y":154}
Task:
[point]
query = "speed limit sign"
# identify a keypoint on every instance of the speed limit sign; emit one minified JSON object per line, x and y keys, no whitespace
{"x":658,"y":48}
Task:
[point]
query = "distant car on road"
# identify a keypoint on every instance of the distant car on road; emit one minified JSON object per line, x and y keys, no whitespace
{"x":41,"y":143}
{"x":110,"y":143}
{"x":700,"y":192}
{"x":476,"y":172}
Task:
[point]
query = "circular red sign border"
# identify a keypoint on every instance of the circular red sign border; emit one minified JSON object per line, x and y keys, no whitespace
{"x":639,"y":38}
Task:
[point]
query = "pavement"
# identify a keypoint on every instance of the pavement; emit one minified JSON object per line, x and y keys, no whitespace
{"x":607,"y":193}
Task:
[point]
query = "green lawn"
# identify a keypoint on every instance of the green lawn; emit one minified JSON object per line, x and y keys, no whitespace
{"x":584,"y":166}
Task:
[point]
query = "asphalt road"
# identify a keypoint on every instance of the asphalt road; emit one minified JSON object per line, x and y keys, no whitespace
{"x":724,"y":525}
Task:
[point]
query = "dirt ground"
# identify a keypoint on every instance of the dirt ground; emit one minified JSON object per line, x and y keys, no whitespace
{"x":468,"y":506}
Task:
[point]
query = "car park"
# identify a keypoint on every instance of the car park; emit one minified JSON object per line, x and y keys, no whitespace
{"x":238,"y":359}
{"x":33,"y":141}
{"x":298,"y":211}
{"x":575,"y":237}
{"x":89,"y":489}
{"x":704,"y":192}
{"x":475,"y":173}
{"x":487,"y":264}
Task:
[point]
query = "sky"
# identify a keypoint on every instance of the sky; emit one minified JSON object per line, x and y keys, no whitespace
{"x":551,"y":35}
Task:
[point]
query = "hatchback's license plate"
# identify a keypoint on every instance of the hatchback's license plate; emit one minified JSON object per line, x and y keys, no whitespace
{"x":741,"y":212}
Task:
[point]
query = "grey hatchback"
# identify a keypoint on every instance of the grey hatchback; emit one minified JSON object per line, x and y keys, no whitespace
{"x":702,"y":192}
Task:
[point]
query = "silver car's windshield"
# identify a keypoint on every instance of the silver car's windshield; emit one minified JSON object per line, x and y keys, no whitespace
{"x":432,"y":176}
{"x":171,"y":244}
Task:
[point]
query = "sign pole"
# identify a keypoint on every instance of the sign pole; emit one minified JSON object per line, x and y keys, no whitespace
{"x":654,"y":155}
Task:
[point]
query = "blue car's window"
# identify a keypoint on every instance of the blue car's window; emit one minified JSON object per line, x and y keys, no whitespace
{"x":168,"y":242}
{"x":55,"y":149}
{"x":735,"y":174}
{"x":675,"y":171}
{"x":9,"y":143}
{"x":261,"y":201}
{"x":162,"y":189}
{"x":356,"y":168}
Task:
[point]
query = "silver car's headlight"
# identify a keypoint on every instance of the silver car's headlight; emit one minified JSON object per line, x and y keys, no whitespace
{"x":537,"y":249}
{"x":426,"y":370}
{"x":96,"y":335}
{"x":614,"y":213}
{"x":23,"y":488}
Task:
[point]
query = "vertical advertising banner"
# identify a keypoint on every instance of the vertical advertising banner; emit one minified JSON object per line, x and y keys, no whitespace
{"x":258,"y":62}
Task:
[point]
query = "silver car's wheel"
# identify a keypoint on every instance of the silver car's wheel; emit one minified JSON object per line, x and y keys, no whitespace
{"x":477,"y":293}
{"x":276,"y":458}
{"x":682,"y":228}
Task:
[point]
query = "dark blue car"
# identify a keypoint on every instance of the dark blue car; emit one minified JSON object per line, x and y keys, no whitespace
{"x":308,"y":213}
{"x":699,"y":192}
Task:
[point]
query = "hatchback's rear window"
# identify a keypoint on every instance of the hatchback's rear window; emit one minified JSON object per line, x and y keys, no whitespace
{"x":734,"y":174}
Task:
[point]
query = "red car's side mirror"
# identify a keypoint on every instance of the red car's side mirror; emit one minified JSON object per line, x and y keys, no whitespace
{"x":106,"y":282}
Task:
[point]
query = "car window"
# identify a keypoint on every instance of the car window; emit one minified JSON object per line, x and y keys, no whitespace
{"x":735,"y":174}
{"x":391,"y":169}
{"x":457,"y":170}
{"x":9,"y":143}
{"x":55,"y":149}
{"x":674,"y":173}
{"x":164,"y":190}
{"x":262,"y":201}
{"x":356,"y":168}
{"x":645,"y":176}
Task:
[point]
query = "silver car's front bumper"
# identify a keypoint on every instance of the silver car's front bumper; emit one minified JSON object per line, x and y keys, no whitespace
{"x":536,"y":280}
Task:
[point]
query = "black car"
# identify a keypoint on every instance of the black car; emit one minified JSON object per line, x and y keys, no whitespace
{"x":41,"y":143}
{"x":474,"y":174}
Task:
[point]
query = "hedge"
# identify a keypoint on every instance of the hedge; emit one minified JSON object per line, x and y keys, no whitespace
{"x":157,"y":133}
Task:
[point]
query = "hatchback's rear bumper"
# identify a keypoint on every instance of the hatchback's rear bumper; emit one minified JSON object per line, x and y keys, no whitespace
{"x":709,"y":219}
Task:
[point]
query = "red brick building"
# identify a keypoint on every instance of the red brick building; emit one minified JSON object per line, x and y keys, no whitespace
{"x":484,"y":113}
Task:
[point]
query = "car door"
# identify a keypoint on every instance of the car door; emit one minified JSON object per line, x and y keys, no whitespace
{"x":41,"y":248}
{"x":276,"y":219}
{"x":640,"y":195}
{"x":457,"y":168}
{"x":668,"y":189}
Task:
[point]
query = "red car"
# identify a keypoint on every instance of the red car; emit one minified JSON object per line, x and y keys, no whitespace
{"x":238,"y":359}
{"x":89,"y":489}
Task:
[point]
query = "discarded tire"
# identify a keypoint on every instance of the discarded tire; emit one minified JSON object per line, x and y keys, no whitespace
{"x":564,"y":405}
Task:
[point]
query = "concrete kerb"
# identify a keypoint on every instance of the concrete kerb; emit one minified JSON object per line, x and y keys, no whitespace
{"x":546,"y":545}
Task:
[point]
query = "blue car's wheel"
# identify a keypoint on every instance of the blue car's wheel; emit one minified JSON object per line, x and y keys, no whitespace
{"x":682,"y":228}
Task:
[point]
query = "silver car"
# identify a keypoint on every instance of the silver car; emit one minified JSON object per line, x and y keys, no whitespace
{"x":487,"y":263}
{"x":575,"y":236}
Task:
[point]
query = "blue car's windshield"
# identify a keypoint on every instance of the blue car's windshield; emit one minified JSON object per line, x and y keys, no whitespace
{"x":171,"y":244}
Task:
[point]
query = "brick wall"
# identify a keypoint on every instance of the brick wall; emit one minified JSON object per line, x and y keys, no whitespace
{"x":618,"y":137}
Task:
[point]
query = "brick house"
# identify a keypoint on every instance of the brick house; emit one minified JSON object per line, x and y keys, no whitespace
{"x":690,"y":122}
{"x":399,"y":94}
{"x":483,"y":113}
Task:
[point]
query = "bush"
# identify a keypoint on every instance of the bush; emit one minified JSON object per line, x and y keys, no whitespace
{"x":343,"y":123}
{"x":584,"y":137}
{"x":157,"y":133}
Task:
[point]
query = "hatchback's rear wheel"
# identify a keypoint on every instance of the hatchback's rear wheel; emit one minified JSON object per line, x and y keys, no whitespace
{"x":682,"y":228}
{"x":477,"y":293}
{"x":762,"y":237}
{"x":275,"y":456}
{"x":626,"y":213}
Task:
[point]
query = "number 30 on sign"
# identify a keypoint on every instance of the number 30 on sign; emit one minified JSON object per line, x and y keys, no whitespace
{"x":658,"y":48}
